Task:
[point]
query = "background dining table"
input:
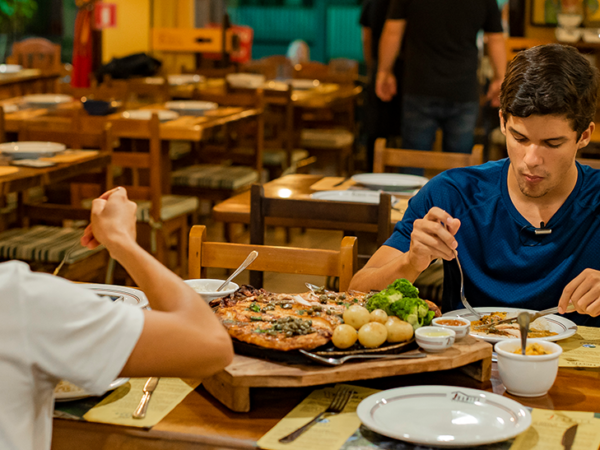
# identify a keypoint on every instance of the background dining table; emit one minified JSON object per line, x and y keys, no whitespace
{"x":201,"y":422}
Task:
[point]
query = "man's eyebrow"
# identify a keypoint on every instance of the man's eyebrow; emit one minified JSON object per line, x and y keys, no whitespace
{"x":557,"y":138}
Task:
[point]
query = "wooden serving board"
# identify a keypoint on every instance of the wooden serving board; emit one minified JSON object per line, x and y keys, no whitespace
{"x":232,"y":385}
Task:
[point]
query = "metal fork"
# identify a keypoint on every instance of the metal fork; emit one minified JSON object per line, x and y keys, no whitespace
{"x":463,"y":299}
{"x":66,"y":257}
{"x":339,"y":402}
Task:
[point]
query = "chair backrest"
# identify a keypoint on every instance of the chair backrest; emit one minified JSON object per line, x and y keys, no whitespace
{"x":516,"y":44}
{"x":250,"y":131}
{"x":440,"y":161}
{"x":320,"y":214}
{"x":36,"y":53}
{"x":593,"y":163}
{"x":324,"y":73}
{"x":152,"y":160}
{"x":303,"y":261}
{"x":100,"y":92}
{"x":2,"y":126}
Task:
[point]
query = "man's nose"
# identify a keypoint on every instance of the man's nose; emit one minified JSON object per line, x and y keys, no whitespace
{"x":533,"y":155}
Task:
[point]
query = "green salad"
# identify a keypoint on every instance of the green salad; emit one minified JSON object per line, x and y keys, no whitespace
{"x":401,"y":299}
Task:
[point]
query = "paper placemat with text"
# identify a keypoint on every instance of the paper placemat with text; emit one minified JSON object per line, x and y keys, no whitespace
{"x":582,"y":349}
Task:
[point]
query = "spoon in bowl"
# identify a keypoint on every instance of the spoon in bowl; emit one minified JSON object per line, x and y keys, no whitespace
{"x":523,"y":320}
{"x":249,"y":260}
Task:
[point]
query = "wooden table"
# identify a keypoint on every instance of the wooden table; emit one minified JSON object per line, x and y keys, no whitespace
{"x":200,"y":422}
{"x":26,"y":81}
{"x":28,"y":177}
{"x":237,"y":208}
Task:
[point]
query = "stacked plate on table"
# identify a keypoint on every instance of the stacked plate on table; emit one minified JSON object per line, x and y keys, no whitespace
{"x":443,"y":416}
{"x":390,"y":182}
{"x":146,"y":114}
{"x":31,"y":149}
{"x":245,"y":80}
{"x":10,"y":68}
{"x":191,"y":107}
{"x":10,"y":108}
{"x":303,"y":84}
{"x":359,"y":196}
{"x":47,"y":100}
{"x":184,"y":78}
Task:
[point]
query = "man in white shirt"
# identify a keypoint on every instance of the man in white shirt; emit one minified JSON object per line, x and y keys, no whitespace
{"x":52,"y":330}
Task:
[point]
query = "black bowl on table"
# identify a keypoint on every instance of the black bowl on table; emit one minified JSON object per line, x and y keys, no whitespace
{"x":100,"y":107}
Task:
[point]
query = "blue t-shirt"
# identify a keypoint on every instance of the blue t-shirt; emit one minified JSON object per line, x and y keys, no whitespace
{"x":504,"y":262}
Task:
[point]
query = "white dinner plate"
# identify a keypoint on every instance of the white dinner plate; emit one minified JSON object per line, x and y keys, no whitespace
{"x":146,"y":114}
{"x":303,"y":84}
{"x":443,"y":416}
{"x":390,"y":181}
{"x":184,"y":78}
{"x":31,"y":149}
{"x":348,"y":196}
{"x":558,"y":324}
{"x":245,"y":80}
{"x":125,"y":294}
{"x":10,"y":68}
{"x":191,"y":107}
{"x":70,"y":392}
{"x":47,"y":99}
{"x":10,"y":108}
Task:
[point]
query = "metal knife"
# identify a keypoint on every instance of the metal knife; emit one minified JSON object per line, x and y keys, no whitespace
{"x":339,"y":183}
{"x":569,"y":437}
{"x":149,"y":388}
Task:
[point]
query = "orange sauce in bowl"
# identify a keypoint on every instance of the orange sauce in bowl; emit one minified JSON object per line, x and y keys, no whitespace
{"x":450,"y":322}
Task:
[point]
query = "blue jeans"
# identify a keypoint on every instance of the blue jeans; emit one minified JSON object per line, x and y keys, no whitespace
{"x":423,"y":115}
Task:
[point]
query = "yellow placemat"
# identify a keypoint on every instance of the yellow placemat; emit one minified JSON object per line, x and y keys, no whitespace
{"x":6,"y":170}
{"x":328,"y":434}
{"x":71,"y":156}
{"x":118,"y":407}
{"x":582,"y":349}
{"x":328,"y":184}
{"x":548,"y":428}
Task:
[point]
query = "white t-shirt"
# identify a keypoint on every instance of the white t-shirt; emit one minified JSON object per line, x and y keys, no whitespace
{"x":52,"y":330}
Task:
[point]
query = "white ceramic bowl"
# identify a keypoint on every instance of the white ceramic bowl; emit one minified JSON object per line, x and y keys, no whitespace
{"x":568,"y":34}
{"x":591,"y":35}
{"x":569,"y":20}
{"x":461,"y":330}
{"x":527,"y":376}
{"x":207,"y":287}
{"x":434,"y":339}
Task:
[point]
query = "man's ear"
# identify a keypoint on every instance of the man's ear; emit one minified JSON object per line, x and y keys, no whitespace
{"x":502,"y":123}
{"x":586,"y":136}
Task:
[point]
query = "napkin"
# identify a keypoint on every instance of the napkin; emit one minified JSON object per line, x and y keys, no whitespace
{"x":328,"y":184}
{"x":582,"y":349}
{"x":71,"y":156}
{"x":329,"y":434}
{"x":548,"y":428}
{"x":118,"y":407}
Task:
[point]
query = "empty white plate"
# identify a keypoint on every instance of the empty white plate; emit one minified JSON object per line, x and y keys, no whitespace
{"x":390,"y":181}
{"x":302,"y":84}
{"x":120,"y":294}
{"x":66,"y":392}
{"x":443,"y":416}
{"x":348,"y":196}
{"x":191,"y":107}
{"x":31,"y":149}
{"x":47,"y":99}
{"x":10,"y":68}
{"x":245,"y":80}
{"x":146,"y":114}
{"x":10,"y":108}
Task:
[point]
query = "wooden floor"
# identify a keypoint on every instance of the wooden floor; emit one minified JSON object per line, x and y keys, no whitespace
{"x":276,"y":282}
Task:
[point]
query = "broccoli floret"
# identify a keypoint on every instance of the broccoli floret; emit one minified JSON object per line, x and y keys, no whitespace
{"x":423,"y":310}
{"x":404,"y":287}
{"x":401,"y":299}
{"x":379,"y":301}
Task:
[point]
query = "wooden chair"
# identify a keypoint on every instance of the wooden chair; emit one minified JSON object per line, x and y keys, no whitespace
{"x":436,"y":161}
{"x":160,"y":216}
{"x":36,"y":53}
{"x":349,"y":217}
{"x":41,"y":239}
{"x":230,"y":160}
{"x":2,"y":126}
{"x":303,"y":261}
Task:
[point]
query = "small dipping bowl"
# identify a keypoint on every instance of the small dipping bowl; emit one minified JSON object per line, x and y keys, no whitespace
{"x":435,"y":339}
{"x":460,"y":326}
{"x":207,"y":288}
{"x":529,"y":375}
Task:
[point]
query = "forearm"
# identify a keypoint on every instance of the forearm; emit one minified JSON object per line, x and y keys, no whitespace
{"x":497,"y":54}
{"x":389,"y":44}
{"x":378,"y":275}
{"x":367,"y":42}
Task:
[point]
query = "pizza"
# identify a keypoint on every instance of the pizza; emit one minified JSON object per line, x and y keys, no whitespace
{"x":283,"y":321}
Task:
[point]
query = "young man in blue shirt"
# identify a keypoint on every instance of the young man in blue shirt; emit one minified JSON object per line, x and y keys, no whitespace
{"x":527,"y":228}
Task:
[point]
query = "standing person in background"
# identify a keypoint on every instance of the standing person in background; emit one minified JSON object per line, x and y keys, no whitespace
{"x":382,"y":118}
{"x":440,"y":78}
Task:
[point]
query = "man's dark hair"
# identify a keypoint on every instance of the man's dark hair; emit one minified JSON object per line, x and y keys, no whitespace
{"x":554,"y":80}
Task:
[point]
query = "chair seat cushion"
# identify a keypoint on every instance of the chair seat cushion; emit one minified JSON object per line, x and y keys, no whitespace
{"x":277,"y":156}
{"x":326,"y":138}
{"x":172,"y":206}
{"x":43,"y":243}
{"x":214,"y":176}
